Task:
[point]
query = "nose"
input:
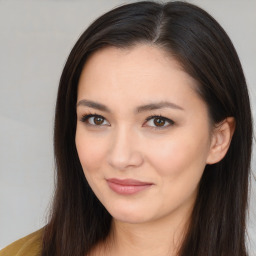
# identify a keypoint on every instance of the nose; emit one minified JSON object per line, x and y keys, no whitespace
{"x":124,"y":150}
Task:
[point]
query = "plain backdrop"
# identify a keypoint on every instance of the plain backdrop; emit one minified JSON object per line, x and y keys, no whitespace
{"x":35,"y":40}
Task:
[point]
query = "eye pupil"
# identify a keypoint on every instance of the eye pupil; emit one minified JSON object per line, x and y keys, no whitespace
{"x":98,"y":120}
{"x":159,"y":122}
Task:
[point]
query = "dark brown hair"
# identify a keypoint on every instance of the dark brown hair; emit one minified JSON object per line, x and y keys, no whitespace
{"x":78,"y":220}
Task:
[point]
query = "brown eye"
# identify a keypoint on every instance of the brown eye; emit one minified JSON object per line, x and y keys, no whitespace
{"x":98,"y":120}
{"x":159,"y":122}
{"x":94,"y":120}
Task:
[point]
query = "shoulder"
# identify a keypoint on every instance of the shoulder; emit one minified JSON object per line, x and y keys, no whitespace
{"x":27,"y":246}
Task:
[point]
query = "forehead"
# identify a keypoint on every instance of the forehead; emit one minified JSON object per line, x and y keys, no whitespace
{"x":140,"y":58}
{"x":138,"y":73}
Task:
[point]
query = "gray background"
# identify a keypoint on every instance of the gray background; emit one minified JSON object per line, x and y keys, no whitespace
{"x":35,"y":40}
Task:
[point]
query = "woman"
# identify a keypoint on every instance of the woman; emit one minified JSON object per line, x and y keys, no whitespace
{"x":152,"y":139}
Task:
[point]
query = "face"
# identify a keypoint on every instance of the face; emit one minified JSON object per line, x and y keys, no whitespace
{"x":143,"y":133}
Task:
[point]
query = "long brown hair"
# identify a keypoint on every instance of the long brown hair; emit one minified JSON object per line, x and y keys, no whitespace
{"x":78,"y":220}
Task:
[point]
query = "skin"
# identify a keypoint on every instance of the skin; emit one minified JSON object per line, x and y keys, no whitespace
{"x":123,"y":145}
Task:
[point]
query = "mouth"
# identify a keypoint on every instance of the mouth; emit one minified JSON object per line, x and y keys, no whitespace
{"x":127,"y":186}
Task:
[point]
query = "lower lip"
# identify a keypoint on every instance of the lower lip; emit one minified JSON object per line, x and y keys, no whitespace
{"x":127,"y":189}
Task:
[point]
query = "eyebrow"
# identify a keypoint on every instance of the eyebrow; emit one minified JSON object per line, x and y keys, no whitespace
{"x":139,"y":109}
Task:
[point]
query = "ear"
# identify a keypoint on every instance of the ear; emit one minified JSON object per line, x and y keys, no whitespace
{"x":221,"y":139}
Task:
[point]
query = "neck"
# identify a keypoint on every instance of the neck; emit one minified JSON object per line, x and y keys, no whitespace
{"x":159,"y":237}
{"x":162,"y":236}
{"x":142,"y":239}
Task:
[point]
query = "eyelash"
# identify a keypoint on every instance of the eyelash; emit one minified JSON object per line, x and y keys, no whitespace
{"x":85,"y":118}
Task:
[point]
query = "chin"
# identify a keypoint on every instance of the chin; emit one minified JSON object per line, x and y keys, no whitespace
{"x":133,"y":216}
{"x":131,"y":219}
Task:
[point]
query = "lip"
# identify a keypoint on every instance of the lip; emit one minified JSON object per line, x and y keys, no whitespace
{"x":127,"y":186}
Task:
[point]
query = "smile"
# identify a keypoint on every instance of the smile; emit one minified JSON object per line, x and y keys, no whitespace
{"x":127,"y":186}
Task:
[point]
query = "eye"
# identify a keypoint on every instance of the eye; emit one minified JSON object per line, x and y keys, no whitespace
{"x":156,"y":121}
{"x":94,"y":120}
{"x":159,"y":122}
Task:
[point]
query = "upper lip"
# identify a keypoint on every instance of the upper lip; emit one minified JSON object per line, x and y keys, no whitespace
{"x":129,"y":182}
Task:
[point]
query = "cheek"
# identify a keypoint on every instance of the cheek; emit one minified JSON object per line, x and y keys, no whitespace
{"x":90,"y":151}
{"x":179,"y":155}
{"x":179,"y":164}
